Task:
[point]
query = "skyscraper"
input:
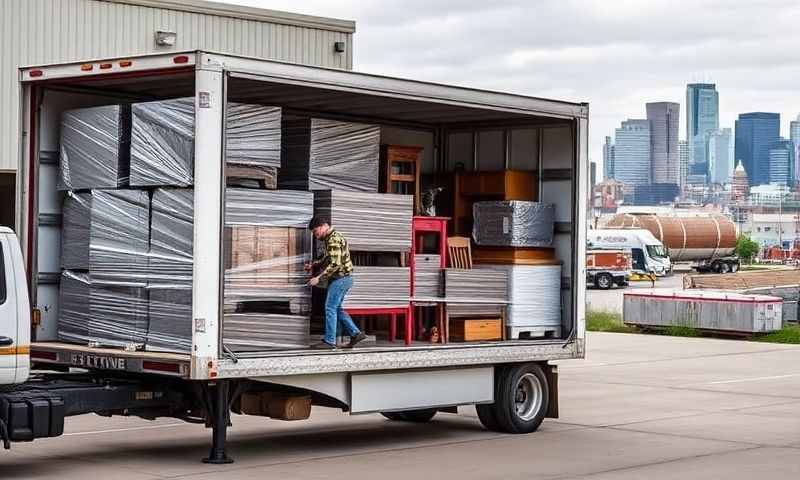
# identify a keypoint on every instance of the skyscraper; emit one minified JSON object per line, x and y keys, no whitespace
{"x":720,"y":156}
{"x":781,"y":162}
{"x":702,"y":118}
{"x":632,"y":154}
{"x":794,"y":136}
{"x":683,"y":156}
{"x":608,"y":158}
{"x":664,"y":118}
{"x":756,"y":132}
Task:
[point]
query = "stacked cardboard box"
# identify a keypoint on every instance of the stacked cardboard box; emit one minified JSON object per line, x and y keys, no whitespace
{"x":485,"y":284}
{"x":320,"y":154}
{"x":261,"y":331}
{"x":377,"y":222}
{"x":379,"y":287}
{"x":106,"y":231}
{"x":171,"y":265}
{"x":95,"y":144}
{"x":428,"y":276}
{"x":162,"y":141}
{"x":107,"y":310}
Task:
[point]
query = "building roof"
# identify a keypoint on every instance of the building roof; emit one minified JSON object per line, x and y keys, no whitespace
{"x":247,"y":13}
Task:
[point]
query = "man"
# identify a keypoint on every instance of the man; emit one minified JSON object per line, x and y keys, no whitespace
{"x":336,"y":269}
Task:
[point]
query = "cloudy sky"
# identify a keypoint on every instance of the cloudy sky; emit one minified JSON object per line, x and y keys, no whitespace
{"x":614,"y":54}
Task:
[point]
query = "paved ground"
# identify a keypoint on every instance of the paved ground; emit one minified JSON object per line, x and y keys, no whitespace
{"x":611,"y":300}
{"x":638,"y":407}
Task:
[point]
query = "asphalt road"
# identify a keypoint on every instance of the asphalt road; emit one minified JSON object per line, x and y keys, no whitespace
{"x":638,"y":407}
{"x":611,"y":300}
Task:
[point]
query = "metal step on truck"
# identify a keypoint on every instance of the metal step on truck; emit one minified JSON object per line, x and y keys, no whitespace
{"x":46,"y":379}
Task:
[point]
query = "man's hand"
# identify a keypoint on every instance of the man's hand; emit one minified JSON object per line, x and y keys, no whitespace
{"x":314,"y":281}
{"x":308,"y":266}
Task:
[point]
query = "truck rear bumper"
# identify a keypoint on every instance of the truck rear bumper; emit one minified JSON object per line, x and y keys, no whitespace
{"x":92,"y":358}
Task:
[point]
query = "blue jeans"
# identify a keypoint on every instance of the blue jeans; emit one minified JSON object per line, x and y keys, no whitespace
{"x":334,"y":313}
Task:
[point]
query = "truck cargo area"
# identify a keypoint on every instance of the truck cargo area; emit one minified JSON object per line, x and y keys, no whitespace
{"x":475,"y":146}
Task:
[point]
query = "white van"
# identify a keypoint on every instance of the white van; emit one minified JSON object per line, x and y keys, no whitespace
{"x":649,"y":254}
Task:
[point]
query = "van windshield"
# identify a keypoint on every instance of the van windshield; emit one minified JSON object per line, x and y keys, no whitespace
{"x":657,"y":251}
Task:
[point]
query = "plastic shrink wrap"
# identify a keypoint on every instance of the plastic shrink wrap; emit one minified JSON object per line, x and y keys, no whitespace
{"x":376,"y":222}
{"x":321,"y":154}
{"x":379,"y":287}
{"x":171,"y":265}
{"x":105,"y":310}
{"x":513,"y":223}
{"x":106,"y":231}
{"x":266,"y":243}
{"x":95,"y":146}
{"x":162,"y":140}
{"x":162,"y":143}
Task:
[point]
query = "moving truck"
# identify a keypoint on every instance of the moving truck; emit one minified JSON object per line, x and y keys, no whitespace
{"x":647,"y":252}
{"x":512,"y":382}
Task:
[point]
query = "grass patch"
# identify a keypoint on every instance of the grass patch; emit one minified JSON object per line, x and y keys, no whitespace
{"x":788,"y":334}
{"x":603,"y":321}
{"x":679,"y":331}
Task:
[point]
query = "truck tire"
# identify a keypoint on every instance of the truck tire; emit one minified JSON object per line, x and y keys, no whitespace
{"x":414,"y":416}
{"x":724,"y":267}
{"x":603,"y":281}
{"x":734,"y":267}
{"x":521,"y":398}
{"x":716,"y":267}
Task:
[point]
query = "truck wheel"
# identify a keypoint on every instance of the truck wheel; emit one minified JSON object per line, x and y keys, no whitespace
{"x":414,"y":416}
{"x":522,"y":398}
{"x":734,"y":267}
{"x":603,"y":281}
{"x":487,"y":417}
{"x":724,"y":267}
{"x":716,"y":267}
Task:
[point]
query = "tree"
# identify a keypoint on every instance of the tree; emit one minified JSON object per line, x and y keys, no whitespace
{"x":746,"y":249}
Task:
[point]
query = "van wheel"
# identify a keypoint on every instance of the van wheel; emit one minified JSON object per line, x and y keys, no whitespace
{"x":521,"y":398}
{"x":414,"y":416}
{"x":603,"y":281}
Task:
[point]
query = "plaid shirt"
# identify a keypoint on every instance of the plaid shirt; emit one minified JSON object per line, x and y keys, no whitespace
{"x":336,"y":259}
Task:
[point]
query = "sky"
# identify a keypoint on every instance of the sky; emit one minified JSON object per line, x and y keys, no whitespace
{"x":615,"y":54}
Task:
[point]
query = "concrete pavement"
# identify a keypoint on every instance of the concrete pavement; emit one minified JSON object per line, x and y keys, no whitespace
{"x":638,"y":407}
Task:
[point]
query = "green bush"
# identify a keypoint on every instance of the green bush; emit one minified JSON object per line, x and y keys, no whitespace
{"x":604,"y":321}
{"x":746,"y":249}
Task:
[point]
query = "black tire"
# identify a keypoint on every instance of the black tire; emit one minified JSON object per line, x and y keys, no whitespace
{"x":521,"y":398}
{"x":734,"y":267}
{"x":724,"y":267}
{"x":603,"y":281}
{"x":716,"y":267}
{"x":487,"y":417}
{"x":393,"y":416}
{"x":414,"y":416}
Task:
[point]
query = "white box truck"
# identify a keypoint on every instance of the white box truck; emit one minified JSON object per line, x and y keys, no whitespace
{"x":512,"y":382}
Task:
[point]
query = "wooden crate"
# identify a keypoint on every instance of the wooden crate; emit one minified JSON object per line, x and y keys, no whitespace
{"x":476,"y":329}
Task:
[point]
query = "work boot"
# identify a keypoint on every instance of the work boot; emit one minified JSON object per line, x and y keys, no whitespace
{"x":360,"y":337}
{"x":323,"y":345}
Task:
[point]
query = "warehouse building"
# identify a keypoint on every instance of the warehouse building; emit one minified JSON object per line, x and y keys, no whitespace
{"x":39,"y":32}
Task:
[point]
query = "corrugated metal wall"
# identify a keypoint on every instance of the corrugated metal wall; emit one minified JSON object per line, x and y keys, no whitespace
{"x":37,"y":32}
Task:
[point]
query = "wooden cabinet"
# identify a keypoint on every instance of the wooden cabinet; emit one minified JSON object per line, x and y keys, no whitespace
{"x":400,"y":170}
{"x":471,"y":187}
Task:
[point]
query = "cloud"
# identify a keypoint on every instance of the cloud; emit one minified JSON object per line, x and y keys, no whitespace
{"x":615,"y":54}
